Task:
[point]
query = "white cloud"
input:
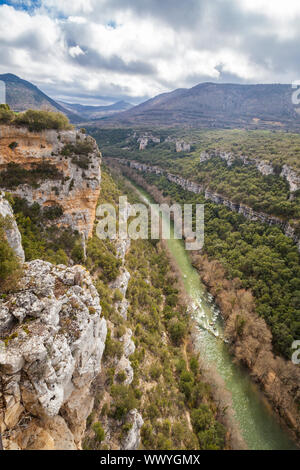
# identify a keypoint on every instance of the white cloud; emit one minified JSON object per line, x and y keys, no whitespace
{"x":140,"y":48}
{"x":75,"y":51}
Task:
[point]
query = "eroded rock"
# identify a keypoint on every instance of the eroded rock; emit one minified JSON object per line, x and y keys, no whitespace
{"x":12,"y":232}
{"x":53,"y":348}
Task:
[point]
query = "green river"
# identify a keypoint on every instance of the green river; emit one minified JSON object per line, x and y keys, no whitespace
{"x":257,"y":423}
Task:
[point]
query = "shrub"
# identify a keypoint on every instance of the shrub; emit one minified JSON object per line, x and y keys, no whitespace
{"x":112,"y":346}
{"x":177,"y":331}
{"x":10,"y":268}
{"x":77,"y":253}
{"x":105,"y":409}
{"x":40,"y":120}
{"x":124,"y":400}
{"x":15,"y":174}
{"x":53,"y":212}
{"x":99,"y":432}
{"x":202,"y":418}
{"x":121,"y":376}
{"x":13,"y":145}
{"x":6,"y":114}
{"x":118,"y":296}
{"x":155,"y":371}
{"x":147,"y":436}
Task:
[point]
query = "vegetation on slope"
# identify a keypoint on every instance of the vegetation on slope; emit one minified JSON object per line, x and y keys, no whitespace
{"x":10,"y":268}
{"x":278,"y":148}
{"x":34,"y":120}
{"x":168,"y":388}
{"x":241,"y":184}
{"x":259,"y":257}
{"x":43,"y":240}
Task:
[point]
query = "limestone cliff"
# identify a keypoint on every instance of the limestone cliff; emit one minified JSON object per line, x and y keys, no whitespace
{"x":119,"y":364}
{"x":197,"y":188}
{"x":264,"y":167}
{"x":76,"y":158}
{"x":11,"y":231}
{"x":53,"y":338}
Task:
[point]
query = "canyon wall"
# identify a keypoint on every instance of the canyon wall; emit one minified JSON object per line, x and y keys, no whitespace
{"x":12,"y":233}
{"x":196,"y":188}
{"x":77,"y":187}
{"x":263,"y":166}
{"x":52,"y":338}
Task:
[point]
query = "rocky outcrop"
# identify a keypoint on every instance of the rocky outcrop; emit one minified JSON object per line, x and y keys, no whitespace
{"x":292,"y":178}
{"x":182,"y":146}
{"x":76,"y":157}
{"x":145,"y":139}
{"x":53,"y":339}
{"x":133,"y":439}
{"x":121,"y":283}
{"x":197,"y":188}
{"x":11,"y":229}
{"x":124,"y":363}
{"x":263,"y":166}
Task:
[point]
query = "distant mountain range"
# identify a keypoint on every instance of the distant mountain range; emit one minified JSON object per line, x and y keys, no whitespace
{"x":22,"y":95}
{"x":96,"y":112}
{"x":208,"y":105}
{"x":211,"y":105}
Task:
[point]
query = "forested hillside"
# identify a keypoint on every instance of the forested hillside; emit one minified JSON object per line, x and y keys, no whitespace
{"x":260,"y":256}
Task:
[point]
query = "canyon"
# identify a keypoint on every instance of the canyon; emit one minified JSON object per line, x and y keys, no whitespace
{"x":52,"y":331}
{"x":55,"y":377}
{"x":196,"y":188}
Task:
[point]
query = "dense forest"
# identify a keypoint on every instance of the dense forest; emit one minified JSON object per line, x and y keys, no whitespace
{"x":240,"y":183}
{"x":279,"y":147}
{"x":176,"y":402}
{"x":264,"y":260}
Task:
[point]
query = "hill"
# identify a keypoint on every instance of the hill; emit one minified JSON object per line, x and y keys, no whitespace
{"x":96,"y":112}
{"x":22,"y":95}
{"x":211,"y":105}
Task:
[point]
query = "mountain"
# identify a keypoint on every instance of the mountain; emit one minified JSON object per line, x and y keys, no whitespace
{"x":96,"y":112}
{"x":216,"y":106}
{"x":22,"y":95}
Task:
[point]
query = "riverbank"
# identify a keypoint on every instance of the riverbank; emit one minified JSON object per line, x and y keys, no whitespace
{"x":251,"y":342}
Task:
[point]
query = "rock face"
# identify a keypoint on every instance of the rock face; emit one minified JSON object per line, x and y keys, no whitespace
{"x":124,"y":363}
{"x":121,"y":283}
{"x":78,"y":188}
{"x":12,"y":232}
{"x":292,"y":178}
{"x":133,"y":438}
{"x":53,"y":339}
{"x":145,"y":139}
{"x":263,"y":166}
{"x":196,"y":188}
{"x":182,"y":146}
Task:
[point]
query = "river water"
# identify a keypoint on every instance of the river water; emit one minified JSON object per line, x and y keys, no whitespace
{"x":257,"y":422}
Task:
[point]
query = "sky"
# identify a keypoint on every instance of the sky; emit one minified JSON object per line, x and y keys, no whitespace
{"x":102,"y":51}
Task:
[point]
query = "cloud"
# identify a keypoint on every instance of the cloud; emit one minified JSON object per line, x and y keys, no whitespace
{"x":133,"y":49}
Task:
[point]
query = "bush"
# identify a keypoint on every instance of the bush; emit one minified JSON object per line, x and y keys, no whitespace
{"x":40,"y":120}
{"x":52,"y":212}
{"x":202,"y":418}
{"x":6,"y":114}
{"x":177,"y":331}
{"x":10,"y":268}
{"x":112,"y":347}
{"x":13,"y":145}
{"x":99,"y":432}
{"x":118,"y":296}
{"x":121,"y":376}
{"x":124,"y":400}
{"x":15,"y":174}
